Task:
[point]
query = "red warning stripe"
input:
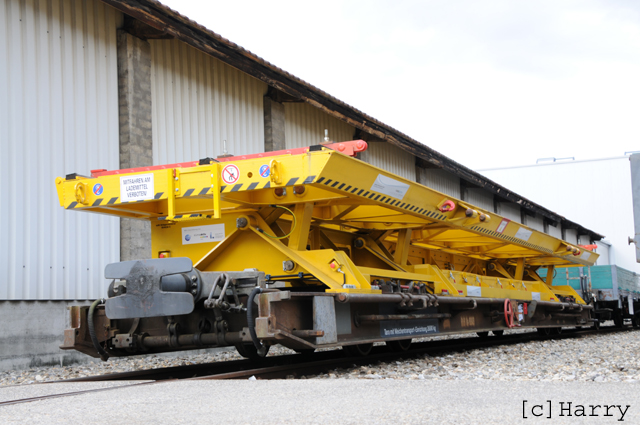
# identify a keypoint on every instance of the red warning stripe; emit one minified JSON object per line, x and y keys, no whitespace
{"x":348,"y":148}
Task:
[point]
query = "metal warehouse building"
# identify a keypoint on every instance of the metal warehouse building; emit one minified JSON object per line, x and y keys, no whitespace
{"x":113,"y":84}
{"x":605,"y":203}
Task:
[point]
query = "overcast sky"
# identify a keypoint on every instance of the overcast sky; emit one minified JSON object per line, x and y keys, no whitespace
{"x":487,"y":83}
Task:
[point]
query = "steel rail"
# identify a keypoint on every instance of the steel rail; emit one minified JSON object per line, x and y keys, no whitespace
{"x":382,"y":354}
{"x":72,"y":393}
{"x":235,"y":369}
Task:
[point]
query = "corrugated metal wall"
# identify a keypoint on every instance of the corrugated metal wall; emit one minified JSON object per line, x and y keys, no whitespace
{"x":391,"y":158}
{"x":305,"y":125}
{"x":571,"y":236}
{"x":440,"y":180}
{"x":535,"y":223}
{"x":510,"y":211}
{"x":556,"y":231}
{"x":585,"y":198}
{"x":480,"y":198}
{"x":198,"y":102}
{"x":603,"y":250}
{"x":58,"y":115}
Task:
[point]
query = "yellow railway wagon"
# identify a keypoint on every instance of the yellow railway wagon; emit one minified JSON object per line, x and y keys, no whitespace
{"x":310,"y":248}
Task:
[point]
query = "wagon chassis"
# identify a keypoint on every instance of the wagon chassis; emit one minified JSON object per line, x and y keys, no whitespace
{"x":310,"y":248}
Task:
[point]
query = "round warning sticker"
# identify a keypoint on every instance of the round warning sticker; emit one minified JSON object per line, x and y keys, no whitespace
{"x":230,"y":174}
{"x":265,"y":171}
{"x":98,"y":189}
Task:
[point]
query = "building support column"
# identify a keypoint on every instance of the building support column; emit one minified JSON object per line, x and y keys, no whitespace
{"x":273,"y":125}
{"x":134,"y":100}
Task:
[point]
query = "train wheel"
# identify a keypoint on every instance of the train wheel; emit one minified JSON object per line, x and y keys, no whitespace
{"x":358,"y":350}
{"x":618,"y":321}
{"x":498,"y":333}
{"x":483,"y":334}
{"x":249,"y":351}
{"x":596,"y":324}
{"x":555,"y":331}
{"x":635,"y":321}
{"x":544,"y":331}
{"x":399,"y":346}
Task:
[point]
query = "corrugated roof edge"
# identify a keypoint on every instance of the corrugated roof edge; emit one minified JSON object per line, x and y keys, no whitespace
{"x":162,"y":17}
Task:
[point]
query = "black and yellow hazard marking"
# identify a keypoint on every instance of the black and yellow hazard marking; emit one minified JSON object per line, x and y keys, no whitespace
{"x":96,"y":203}
{"x":183,"y":216}
{"x":192,"y":192}
{"x":259,"y":185}
{"x":511,"y":239}
{"x":374,"y":196}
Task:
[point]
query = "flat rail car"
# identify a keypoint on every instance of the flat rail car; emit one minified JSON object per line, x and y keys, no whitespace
{"x":310,"y":248}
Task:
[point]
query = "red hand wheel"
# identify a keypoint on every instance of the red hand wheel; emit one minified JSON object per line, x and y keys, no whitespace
{"x":508,"y":313}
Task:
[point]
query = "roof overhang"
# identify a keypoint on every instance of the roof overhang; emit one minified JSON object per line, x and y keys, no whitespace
{"x":171,"y":24}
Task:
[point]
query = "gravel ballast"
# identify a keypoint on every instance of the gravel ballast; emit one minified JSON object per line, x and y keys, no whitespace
{"x":611,"y":357}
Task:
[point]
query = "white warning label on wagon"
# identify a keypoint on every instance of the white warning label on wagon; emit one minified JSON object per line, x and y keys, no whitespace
{"x":503,"y":225}
{"x":523,"y":234}
{"x":202,"y":234}
{"x":474,"y":291}
{"x":408,"y":331}
{"x":585,"y":255}
{"x":136,"y":188}
{"x":390,"y":187}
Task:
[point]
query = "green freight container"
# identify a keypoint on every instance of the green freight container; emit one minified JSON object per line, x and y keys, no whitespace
{"x":607,"y":282}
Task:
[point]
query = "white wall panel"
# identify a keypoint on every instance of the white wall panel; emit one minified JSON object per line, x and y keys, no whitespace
{"x":536,"y":223}
{"x":571,"y":236}
{"x":58,"y":115}
{"x":305,"y":124}
{"x":597,"y":196}
{"x":391,"y":158}
{"x":198,"y":102}
{"x":440,"y":180}
{"x":603,"y":250}
{"x":480,"y":198}
{"x":556,"y":231}
{"x":510,"y":211}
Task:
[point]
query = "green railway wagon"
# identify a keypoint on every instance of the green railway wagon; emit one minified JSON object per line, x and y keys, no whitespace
{"x":613,"y":290}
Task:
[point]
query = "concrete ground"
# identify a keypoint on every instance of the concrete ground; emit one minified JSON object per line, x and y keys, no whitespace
{"x":328,"y":402}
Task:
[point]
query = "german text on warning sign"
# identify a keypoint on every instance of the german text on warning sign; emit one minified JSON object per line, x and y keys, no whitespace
{"x":136,"y":188}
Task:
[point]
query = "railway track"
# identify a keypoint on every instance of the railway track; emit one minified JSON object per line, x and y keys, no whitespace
{"x":280,"y":367}
{"x":382,"y":354}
